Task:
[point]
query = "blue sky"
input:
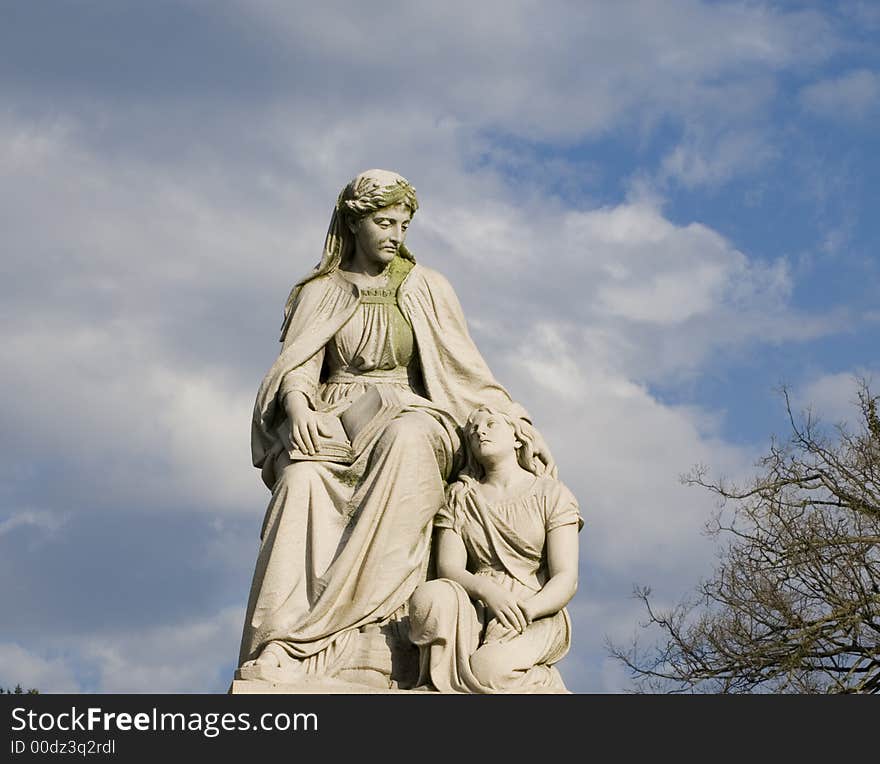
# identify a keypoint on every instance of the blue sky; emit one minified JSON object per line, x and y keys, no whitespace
{"x":653,"y":213}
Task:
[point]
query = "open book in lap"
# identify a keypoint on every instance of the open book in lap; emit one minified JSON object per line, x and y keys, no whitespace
{"x":351,"y":431}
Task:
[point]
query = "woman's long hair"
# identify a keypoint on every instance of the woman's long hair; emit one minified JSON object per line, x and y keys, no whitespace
{"x":473,"y":472}
{"x":370,"y":191}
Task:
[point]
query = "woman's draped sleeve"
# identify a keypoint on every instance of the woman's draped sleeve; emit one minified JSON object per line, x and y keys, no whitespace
{"x":304,"y":379}
{"x":320,"y":308}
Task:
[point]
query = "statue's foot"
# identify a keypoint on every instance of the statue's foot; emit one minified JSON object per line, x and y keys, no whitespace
{"x":270,"y":665}
{"x":272,"y":656}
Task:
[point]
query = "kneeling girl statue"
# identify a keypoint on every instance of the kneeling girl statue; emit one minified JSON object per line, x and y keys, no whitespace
{"x":507,"y":551}
{"x":346,"y":539}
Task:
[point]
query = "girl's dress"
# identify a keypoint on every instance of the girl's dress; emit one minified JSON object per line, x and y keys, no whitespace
{"x":505,"y":541}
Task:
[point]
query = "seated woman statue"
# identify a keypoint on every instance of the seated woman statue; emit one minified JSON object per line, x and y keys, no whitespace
{"x":345,"y":542}
{"x":507,"y":551}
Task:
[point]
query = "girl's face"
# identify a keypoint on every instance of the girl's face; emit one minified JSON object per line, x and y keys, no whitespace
{"x":491,"y":435}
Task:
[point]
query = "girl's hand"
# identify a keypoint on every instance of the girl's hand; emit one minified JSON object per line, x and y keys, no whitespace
{"x":504,"y":606}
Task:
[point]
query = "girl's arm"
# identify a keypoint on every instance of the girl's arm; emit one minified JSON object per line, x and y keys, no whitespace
{"x":562,"y":564}
{"x":452,"y":564}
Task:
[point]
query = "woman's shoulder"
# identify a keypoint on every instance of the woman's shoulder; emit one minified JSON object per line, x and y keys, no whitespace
{"x":421,"y":276}
{"x":315,"y":289}
{"x":320,"y":295}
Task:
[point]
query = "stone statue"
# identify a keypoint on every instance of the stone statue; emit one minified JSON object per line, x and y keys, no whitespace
{"x":507,"y":551}
{"x":356,"y":429}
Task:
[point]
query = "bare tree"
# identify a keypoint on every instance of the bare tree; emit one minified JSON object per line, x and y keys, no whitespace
{"x":794,"y":602}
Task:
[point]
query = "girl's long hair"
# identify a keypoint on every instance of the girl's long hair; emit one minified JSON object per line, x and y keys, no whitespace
{"x":472,"y":472}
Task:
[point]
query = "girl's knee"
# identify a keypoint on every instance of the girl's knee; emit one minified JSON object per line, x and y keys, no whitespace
{"x":492,"y":665}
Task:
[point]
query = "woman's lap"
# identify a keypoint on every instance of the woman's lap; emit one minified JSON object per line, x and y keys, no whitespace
{"x":383,"y":502}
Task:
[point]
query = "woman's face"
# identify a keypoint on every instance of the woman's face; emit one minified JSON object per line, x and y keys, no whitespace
{"x":378,"y":236}
{"x":491,"y":435}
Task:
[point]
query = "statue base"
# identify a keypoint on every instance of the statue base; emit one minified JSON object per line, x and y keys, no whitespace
{"x":379,"y":658}
{"x":316,"y":686}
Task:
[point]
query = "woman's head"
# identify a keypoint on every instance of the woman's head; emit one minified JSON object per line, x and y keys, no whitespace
{"x":375,"y":208}
{"x":367,"y":193}
{"x":372,"y":190}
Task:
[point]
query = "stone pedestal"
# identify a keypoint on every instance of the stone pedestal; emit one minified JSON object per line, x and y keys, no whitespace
{"x":380,"y":659}
{"x":317,"y":686}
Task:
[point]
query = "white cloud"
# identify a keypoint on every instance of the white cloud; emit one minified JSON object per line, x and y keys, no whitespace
{"x":543,"y":74}
{"x":622,"y":451}
{"x":44,"y":521}
{"x":98,"y":366}
{"x":193,"y":655}
{"x":552,"y":366}
{"x":131,"y":421}
{"x":851,"y":97}
{"x":647,"y":297}
{"x":21,"y":666}
{"x":712,"y":160}
{"x":833,"y":398}
{"x":651,"y":277}
{"x":183,"y":657}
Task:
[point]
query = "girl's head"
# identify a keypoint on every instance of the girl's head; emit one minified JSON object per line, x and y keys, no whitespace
{"x":489,"y":433}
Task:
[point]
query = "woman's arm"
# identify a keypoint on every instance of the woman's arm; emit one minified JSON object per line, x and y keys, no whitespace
{"x":298,"y":392}
{"x":305,"y":378}
{"x":452,"y":564}
{"x":562,"y":565}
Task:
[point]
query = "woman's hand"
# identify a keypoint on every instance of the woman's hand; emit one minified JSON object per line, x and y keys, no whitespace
{"x":305,"y":423}
{"x":505,"y":606}
{"x":540,"y":449}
